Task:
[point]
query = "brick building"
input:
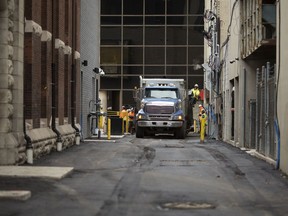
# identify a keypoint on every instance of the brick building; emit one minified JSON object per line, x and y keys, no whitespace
{"x":42,"y":65}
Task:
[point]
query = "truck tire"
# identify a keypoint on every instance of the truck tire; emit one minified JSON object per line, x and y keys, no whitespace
{"x":139,"y":132}
{"x":181,"y":132}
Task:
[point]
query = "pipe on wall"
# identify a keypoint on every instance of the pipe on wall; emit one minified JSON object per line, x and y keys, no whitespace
{"x":73,"y":75}
{"x":53,"y":83}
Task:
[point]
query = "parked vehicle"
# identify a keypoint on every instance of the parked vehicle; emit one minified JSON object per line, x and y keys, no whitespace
{"x":163,"y":107}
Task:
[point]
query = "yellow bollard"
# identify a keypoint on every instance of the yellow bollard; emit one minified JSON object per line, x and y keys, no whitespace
{"x":100,"y":122}
{"x":109,"y":129}
{"x":127,"y":125}
{"x":202,"y":127}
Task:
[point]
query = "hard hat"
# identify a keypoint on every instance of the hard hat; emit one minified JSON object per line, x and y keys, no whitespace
{"x":200,"y":105}
{"x":196,"y":85}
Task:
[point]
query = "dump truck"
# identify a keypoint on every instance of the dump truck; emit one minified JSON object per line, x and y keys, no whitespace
{"x":163,"y":108}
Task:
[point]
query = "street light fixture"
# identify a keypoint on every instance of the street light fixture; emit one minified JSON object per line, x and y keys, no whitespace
{"x":100,"y":72}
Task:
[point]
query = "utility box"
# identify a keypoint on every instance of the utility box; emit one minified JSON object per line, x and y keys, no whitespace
{"x":116,"y":125}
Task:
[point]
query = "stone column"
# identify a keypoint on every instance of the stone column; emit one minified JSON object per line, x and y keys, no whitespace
{"x":11,"y":81}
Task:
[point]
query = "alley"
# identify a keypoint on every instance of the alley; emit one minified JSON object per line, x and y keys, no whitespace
{"x":152,"y":176}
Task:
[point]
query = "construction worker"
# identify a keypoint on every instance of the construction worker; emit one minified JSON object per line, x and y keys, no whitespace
{"x":124,"y":116}
{"x":203,"y":120}
{"x":123,"y":113}
{"x":195,"y":93}
{"x":131,"y":115}
{"x":201,"y":108}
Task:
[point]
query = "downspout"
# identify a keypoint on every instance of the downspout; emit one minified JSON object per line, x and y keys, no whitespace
{"x":53,"y":85}
{"x":243,"y":118}
{"x":276,"y":124}
{"x":29,"y":146}
{"x":73,"y":75}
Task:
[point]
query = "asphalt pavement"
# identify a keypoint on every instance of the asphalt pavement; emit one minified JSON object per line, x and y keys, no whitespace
{"x":125,"y":174}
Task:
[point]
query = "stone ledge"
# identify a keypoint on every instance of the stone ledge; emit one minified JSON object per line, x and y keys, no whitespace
{"x":15,"y":195}
{"x":35,"y":171}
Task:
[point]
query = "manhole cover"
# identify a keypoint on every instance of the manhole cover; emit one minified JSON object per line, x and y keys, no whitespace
{"x":187,"y":205}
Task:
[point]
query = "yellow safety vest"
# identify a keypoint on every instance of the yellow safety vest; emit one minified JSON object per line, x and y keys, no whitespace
{"x":196,"y":93}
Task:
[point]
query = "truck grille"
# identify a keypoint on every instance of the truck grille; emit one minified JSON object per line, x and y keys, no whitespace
{"x":151,"y":109}
{"x":159,"y":117}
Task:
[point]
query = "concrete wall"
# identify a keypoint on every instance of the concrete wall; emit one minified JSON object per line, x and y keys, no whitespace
{"x":282,"y":100}
{"x":90,"y":51}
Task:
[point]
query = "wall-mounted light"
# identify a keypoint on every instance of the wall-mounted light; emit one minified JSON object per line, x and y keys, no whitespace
{"x":85,"y":63}
{"x":99,"y":71}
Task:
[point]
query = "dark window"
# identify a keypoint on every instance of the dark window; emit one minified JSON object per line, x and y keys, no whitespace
{"x":153,"y":71}
{"x":129,"y":82}
{"x":110,"y":82}
{"x":176,"y":70}
{"x":177,"y":7}
{"x":196,"y":6}
{"x":133,"y":70}
{"x":176,"y":20}
{"x":133,"y":34}
{"x":133,"y":20}
{"x":110,"y":20}
{"x":176,"y":55}
{"x":133,"y":6}
{"x":154,"y":7}
{"x":195,"y":55}
{"x":195,"y":36}
{"x":154,"y":55}
{"x":111,"y":35}
{"x":154,"y":20}
{"x":154,"y":35}
{"x":111,"y":6}
{"x":134,"y":55}
{"x":176,"y":35}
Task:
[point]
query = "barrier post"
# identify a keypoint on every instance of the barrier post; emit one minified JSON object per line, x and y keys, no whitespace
{"x":109,"y":129}
{"x":202,"y":127}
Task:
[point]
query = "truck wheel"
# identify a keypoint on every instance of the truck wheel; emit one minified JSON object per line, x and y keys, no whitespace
{"x":181,"y":132}
{"x":139,"y":132}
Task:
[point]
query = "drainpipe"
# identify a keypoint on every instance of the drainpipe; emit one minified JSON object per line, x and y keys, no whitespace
{"x":73,"y":75}
{"x":276,"y":123}
{"x":53,"y":69}
{"x":29,"y":146}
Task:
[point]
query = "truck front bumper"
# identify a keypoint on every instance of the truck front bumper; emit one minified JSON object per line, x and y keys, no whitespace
{"x":160,"y":124}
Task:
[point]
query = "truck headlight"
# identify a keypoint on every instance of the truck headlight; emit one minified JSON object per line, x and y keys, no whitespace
{"x":141,"y":116}
{"x":178,"y":117}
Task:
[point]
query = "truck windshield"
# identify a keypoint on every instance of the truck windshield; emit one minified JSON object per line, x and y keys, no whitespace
{"x":161,"y":93}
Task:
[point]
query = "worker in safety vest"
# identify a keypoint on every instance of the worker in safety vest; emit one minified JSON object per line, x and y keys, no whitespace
{"x":203,"y":120}
{"x":131,"y":115}
{"x":201,"y":108}
{"x":195,"y":94}
{"x":123,"y":113}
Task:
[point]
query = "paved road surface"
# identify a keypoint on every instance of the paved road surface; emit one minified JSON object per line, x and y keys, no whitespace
{"x":152,"y":177}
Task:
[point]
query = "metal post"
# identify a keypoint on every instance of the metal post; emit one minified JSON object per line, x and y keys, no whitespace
{"x":267,"y":125}
{"x":109,"y":129}
{"x":258,"y":80}
{"x":243,"y":120}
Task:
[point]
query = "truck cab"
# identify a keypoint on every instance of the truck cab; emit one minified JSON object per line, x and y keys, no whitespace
{"x":161,"y":108}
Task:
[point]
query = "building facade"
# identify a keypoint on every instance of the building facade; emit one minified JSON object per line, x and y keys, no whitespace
{"x":90,"y":59}
{"x":244,"y":78}
{"x":40,"y":95}
{"x":149,"y":38}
